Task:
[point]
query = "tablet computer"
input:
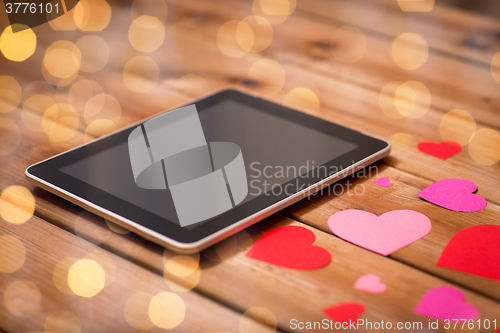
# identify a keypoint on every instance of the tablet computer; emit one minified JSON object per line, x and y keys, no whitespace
{"x":188,"y":178}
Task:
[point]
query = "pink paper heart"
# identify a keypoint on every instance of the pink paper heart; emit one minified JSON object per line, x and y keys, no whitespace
{"x":446,"y":303}
{"x":383,"y":181}
{"x":454,"y":194}
{"x":370,"y":283}
{"x":382,"y":234}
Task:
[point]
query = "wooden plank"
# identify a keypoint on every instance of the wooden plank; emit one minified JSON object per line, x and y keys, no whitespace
{"x":465,"y":35}
{"x":46,"y":246}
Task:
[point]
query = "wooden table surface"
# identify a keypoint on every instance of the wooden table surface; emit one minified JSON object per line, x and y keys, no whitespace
{"x":351,"y":62}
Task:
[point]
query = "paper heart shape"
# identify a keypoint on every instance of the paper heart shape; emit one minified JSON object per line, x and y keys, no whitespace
{"x":454,"y":194}
{"x":474,"y":250}
{"x":441,"y":150}
{"x":345,"y":312}
{"x":383,"y":181}
{"x":37,"y":12}
{"x":446,"y":302}
{"x":290,"y":247}
{"x":382,"y":234}
{"x":370,"y":283}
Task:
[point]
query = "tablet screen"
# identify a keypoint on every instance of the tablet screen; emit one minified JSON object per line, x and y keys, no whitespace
{"x":258,"y":153}
{"x":275,"y":150}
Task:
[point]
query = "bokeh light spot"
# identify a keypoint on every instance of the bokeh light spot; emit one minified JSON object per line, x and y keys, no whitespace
{"x":182,"y":265}
{"x":92,"y":15}
{"x":102,"y":106}
{"x":229,"y":44}
{"x":457,"y":125}
{"x":302,"y":98}
{"x":94,"y":53}
{"x":12,"y":254}
{"x":192,"y":84}
{"x":416,"y":5}
{"x":269,"y":74}
{"x":33,"y":110}
{"x":274,"y":11}
{"x":412,"y":99}
{"x":141,"y":74}
{"x":60,"y":275}
{"x":10,"y":136}
{"x":86,"y":278}
{"x":17,"y":204}
{"x":167,"y":310}
{"x":62,"y":59}
{"x":10,"y":93}
{"x":484,"y":148}
{"x":17,"y":46}
{"x":260,"y":36}
{"x":60,"y":122}
{"x":62,"y":322}
{"x":136,"y":311}
{"x":116,"y":228}
{"x":82,"y":91}
{"x":348,"y":44}
{"x":23,"y":298}
{"x":259,"y":314}
{"x":146,"y":33}
{"x":409,"y":51}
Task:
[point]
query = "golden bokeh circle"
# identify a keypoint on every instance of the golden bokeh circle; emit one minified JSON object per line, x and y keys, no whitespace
{"x":12,"y":254}
{"x":484,"y":148}
{"x":257,"y":314}
{"x":167,"y":310}
{"x":62,"y":22}
{"x":10,"y":136}
{"x":94,"y":53}
{"x":156,"y":8}
{"x":92,"y":15}
{"x":82,"y":91}
{"x":182,"y":265}
{"x":259,"y":38}
{"x":10,"y":93}
{"x":62,"y":322}
{"x":22,"y":298}
{"x":39,"y":88}
{"x":227,"y":42}
{"x":102,"y":106}
{"x":412,"y":99}
{"x":348,"y":44}
{"x":302,"y":98}
{"x":141,"y":74}
{"x":60,"y":275}
{"x":182,"y":283}
{"x":495,"y":67}
{"x":416,"y":6}
{"x":107,"y":264}
{"x":98,"y":128}
{"x":136,"y":311}
{"x":409,"y":51}
{"x":274,"y":11}
{"x":62,"y":59}
{"x":457,"y":125}
{"x":33,"y":110}
{"x":86,"y":278}
{"x":17,"y":204}
{"x":17,"y":46}
{"x":60,"y":122}
{"x":269,"y":74}
{"x":146,"y":33}
{"x":404,"y":139}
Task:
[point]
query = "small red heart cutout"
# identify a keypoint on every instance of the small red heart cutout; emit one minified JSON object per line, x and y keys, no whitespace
{"x":474,"y":250}
{"x":290,"y":247}
{"x":345,"y":312}
{"x":441,"y":150}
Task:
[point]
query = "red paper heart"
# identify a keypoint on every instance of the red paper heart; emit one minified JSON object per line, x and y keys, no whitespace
{"x":474,"y":250}
{"x":345,"y":312}
{"x":290,"y":247}
{"x":441,"y":150}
